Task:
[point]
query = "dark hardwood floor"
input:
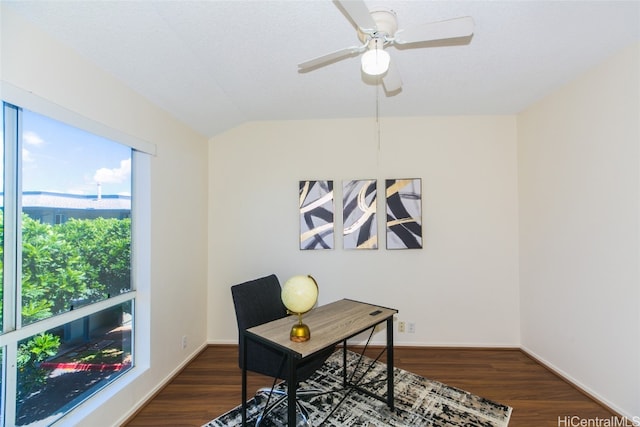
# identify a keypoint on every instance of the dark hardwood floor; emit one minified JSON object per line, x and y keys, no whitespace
{"x":211,"y":385}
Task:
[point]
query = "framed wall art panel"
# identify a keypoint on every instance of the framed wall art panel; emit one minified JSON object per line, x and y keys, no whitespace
{"x":316,"y":215}
{"x":404,"y":213}
{"x":359,"y":214}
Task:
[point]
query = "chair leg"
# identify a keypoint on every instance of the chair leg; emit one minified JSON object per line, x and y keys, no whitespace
{"x":267,"y":390}
{"x":303,"y":413}
{"x":282,"y":400}
{"x":281,"y":396}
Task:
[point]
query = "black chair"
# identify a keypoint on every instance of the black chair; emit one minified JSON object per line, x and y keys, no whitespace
{"x":256,"y":302}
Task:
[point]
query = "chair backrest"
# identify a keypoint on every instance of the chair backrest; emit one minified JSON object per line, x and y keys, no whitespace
{"x":256,"y":302}
{"x":259,"y":301}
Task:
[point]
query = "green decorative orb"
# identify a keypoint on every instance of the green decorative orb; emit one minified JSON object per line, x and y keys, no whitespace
{"x":300,"y":293}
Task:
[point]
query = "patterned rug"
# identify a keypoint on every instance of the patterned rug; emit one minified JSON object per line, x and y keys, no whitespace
{"x":418,"y":401}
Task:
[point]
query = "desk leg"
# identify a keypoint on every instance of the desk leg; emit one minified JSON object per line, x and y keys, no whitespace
{"x":344,"y":363}
{"x":292,"y":382}
{"x":390,"y":400}
{"x":244,"y":380}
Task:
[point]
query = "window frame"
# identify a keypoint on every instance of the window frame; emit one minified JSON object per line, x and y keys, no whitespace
{"x":12,"y":331}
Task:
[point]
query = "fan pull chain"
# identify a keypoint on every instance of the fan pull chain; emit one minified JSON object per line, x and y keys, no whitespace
{"x":378,"y":124}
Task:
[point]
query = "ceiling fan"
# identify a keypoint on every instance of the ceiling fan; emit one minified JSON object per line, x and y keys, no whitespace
{"x":377,"y":29}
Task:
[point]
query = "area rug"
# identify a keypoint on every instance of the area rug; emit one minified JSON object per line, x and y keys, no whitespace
{"x":418,"y":401}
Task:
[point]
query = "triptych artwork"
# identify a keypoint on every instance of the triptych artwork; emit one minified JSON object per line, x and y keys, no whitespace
{"x":359,"y":198}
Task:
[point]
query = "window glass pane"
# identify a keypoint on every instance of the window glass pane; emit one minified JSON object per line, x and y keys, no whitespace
{"x":76,"y":227}
{"x":60,"y":368}
{"x":1,"y":230}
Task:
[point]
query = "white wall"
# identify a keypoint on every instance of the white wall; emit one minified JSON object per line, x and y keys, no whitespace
{"x":35,"y":63}
{"x":578,"y":161}
{"x":460,"y":289}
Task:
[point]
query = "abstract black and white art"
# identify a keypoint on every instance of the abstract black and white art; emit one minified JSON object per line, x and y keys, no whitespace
{"x":316,"y":214}
{"x":404,"y":213}
{"x":359,"y":214}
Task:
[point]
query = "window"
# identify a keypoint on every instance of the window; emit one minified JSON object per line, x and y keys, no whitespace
{"x":67,"y":303}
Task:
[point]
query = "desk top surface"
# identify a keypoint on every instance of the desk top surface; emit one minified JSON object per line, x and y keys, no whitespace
{"x":329,"y":324}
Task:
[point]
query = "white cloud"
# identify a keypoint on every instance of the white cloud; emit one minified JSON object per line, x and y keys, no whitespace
{"x":32,"y":138}
{"x":115,"y":175}
{"x":26,"y":156}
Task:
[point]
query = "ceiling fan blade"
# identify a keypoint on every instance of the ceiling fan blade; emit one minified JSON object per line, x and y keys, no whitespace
{"x":392,"y":81}
{"x":452,"y":28}
{"x":330,"y":57}
{"x":359,"y":14}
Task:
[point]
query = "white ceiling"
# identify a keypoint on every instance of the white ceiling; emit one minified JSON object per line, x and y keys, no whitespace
{"x":217,"y":64}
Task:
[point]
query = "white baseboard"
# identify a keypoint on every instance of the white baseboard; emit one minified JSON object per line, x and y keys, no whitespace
{"x":222,"y":342}
{"x":404,"y":344}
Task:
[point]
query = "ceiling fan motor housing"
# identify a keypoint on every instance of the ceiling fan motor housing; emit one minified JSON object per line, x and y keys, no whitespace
{"x":386,"y":25}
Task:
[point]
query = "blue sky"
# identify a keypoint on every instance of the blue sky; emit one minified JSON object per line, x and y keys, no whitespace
{"x":61,"y":158}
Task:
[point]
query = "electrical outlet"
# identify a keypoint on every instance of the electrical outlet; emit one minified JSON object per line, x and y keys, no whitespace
{"x":184,"y":341}
{"x":402,"y":327}
{"x":412,"y":328}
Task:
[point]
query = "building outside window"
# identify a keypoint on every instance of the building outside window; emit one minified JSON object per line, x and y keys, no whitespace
{"x":67,"y":302}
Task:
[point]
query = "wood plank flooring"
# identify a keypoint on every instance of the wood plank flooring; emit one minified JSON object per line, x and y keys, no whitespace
{"x":211,"y":385}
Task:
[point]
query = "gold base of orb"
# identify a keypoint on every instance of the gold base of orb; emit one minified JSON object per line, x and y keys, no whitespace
{"x":300,"y":333}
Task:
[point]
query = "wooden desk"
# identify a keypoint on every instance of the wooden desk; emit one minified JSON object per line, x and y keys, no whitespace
{"x":329,"y":324}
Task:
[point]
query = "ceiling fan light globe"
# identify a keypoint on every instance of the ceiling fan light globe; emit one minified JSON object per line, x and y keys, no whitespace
{"x":375,"y":62}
